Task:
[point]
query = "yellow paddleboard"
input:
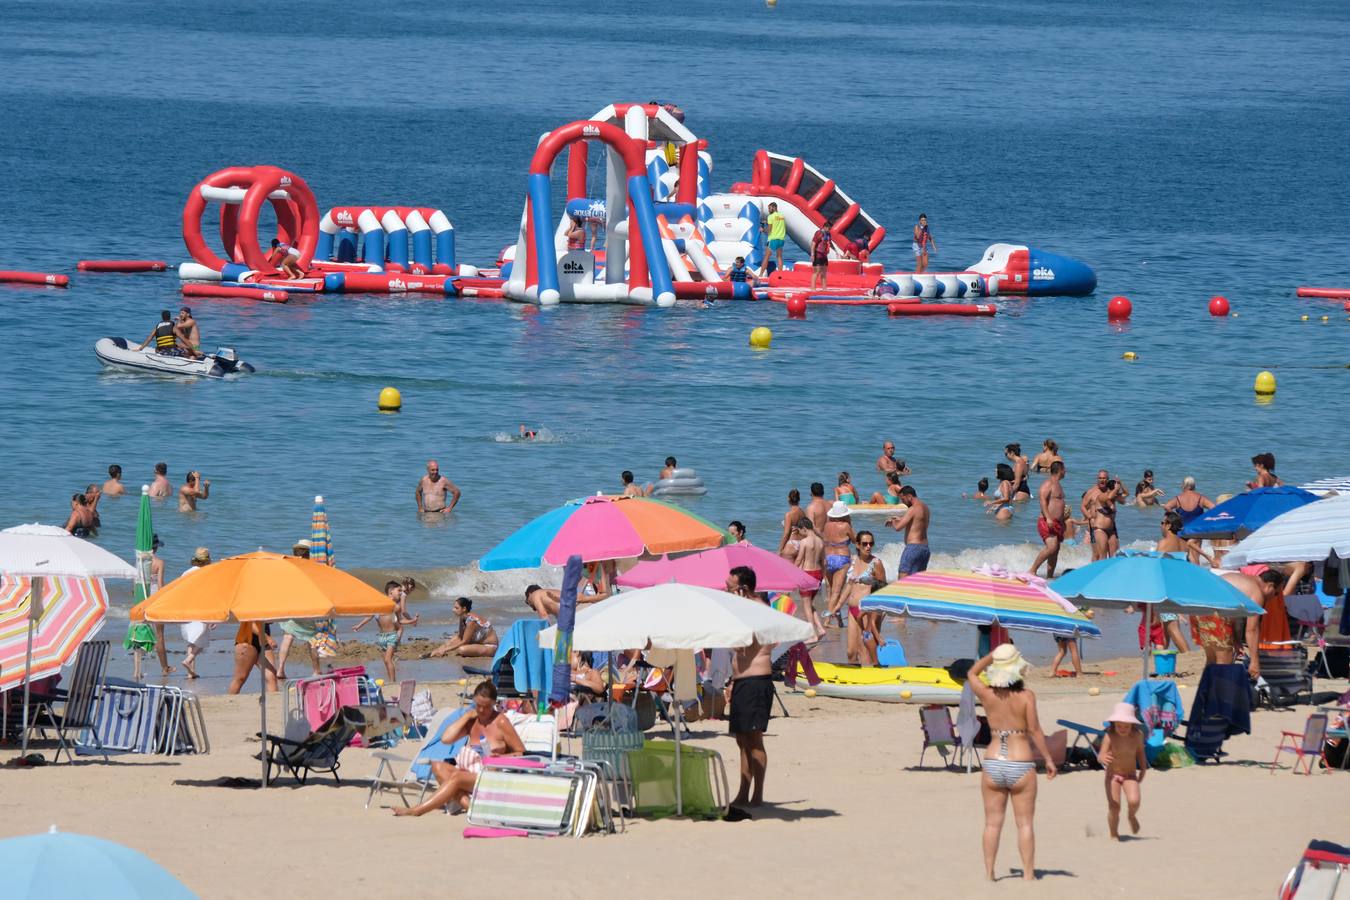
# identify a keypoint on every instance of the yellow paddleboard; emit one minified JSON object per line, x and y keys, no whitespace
{"x":924,"y":684}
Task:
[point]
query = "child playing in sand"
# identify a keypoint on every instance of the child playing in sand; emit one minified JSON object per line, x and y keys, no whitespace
{"x":1123,"y":756}
{"x":390,"y":634}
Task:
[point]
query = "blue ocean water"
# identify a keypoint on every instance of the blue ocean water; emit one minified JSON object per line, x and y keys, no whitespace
{"x":1182,"y":149}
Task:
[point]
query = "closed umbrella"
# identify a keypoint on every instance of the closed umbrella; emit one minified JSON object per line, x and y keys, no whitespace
{"x":1310,"y":533}
{"x":265,"y":587}
{"x":139,"y":632}
{"x":560,"y":690}
{"x":1160,"y":583}
{"x":602,"y":528}
{"x":988,"y":597}
{"x":39,"y":552}
{"x":709,"y":568}
{"x":1239,"y":516}
{"x":66,"y":866}
{"x":679,"y":617}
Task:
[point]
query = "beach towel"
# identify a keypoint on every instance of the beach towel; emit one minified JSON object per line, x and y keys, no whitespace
{"x":1158,"y":704}
{"x":531,"y":663}
{"x":434,"y":751}
{"x":1224,"y":693}
{"x":967,"y":722}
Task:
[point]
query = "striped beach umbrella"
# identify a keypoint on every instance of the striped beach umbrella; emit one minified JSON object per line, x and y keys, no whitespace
{"x":980,"y":598}
{"x":602,"y":528}
{"x":72,"y":611}
{"x":325,"y":642}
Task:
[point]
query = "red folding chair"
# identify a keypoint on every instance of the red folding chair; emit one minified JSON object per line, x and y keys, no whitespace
{"x":1309,"y":745}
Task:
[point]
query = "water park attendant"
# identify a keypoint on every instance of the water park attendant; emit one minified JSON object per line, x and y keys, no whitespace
{"x":777,"y":229}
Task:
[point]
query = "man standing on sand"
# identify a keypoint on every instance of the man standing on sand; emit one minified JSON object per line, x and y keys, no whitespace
{"x":113,"y":487}
{"x":160,"y":487}
{"x":914,"y":523}
{"x":750,"y":695}
{"x":431,"y":491}
{"x":194,"y":488}
{"x":1050,"y":526}
{"x":818,"y":509}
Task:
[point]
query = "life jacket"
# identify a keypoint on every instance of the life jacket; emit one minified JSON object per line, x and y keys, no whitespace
{"x":164,"y":337}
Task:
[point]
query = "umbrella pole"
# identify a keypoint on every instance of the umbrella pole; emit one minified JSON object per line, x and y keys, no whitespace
{"x":1148,"y":635}
{"x":34,"y":610}
{"x":679,"y":779}
{"x":262,"y":700}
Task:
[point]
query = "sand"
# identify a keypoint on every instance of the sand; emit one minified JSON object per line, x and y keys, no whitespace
{"x":851,"y":814}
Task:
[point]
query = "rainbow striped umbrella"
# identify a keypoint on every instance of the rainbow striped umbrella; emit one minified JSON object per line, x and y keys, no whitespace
{"x":325,"y":641}
{"x":600,"y":528}
{"x":72,"y":611}
{"x":982,"y":597}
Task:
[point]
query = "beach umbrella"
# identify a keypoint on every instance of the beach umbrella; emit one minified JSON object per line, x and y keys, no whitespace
{"x":265,"y":587}
{"x":1159,"y":582}
{"x":39,"y":552}
{"x":65,"y":866}
{"x":1324,"y":486}
{"x":1239,"y":516}
{"x":561,"y":689}
{"x":602,"y":528}
{"x":982,"y":597}
{"x":72,"y":611}
{"x":321,"y":551}
{"x":679,"y":617}
{"x":1310,"y":533}
{"x":709,"y":568}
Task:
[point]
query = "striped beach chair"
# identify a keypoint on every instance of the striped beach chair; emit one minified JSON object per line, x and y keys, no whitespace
{"x":528,"y":796}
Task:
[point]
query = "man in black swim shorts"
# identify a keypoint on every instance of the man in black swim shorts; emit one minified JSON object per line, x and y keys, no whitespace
{"x":750,"y":693}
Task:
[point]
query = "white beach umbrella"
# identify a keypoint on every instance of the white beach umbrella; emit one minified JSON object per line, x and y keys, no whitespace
{"x":46,"y":551}
{"x":1328,"y":486}
{"x":680,"y":617}
{"x":1307,"y":534}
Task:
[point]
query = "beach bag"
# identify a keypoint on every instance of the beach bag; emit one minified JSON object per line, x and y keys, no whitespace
{"x":1172,"y":756}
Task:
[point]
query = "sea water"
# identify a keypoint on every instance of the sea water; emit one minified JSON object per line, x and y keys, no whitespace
{"x":1182,"y":150}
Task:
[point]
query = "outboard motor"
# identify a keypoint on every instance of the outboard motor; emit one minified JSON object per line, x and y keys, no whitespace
{"x":228,"y":361}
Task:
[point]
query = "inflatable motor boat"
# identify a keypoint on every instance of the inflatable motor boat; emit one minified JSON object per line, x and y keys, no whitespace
{"x":681,"y":483}
{"x":119,"y":353}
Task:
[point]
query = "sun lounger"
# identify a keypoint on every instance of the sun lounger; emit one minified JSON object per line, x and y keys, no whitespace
{"x":318,"y":752}
{"x":530,"y":796}
{"x":416,"y":771}
{"x":1322,"y":874}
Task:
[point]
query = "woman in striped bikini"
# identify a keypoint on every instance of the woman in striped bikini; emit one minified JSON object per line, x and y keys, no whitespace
{"x":1009,"y":769}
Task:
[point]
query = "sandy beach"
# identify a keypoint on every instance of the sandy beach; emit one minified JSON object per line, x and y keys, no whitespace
{"x":850,"y":811}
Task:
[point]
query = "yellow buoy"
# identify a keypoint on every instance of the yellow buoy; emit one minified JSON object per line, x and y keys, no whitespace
{"x":1265,"y":383}
{"x":810,"y":692}
{"x":1094,"y":691}
{"x":1303,"y":318}
{"x":1130,"y":355}
{"x":1326,"y":318}
{"x":761,"y":338}
{"x":390,"y":400}
{"x":906,"y":695}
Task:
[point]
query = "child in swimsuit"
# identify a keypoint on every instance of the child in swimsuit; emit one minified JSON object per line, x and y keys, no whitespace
{"x":390,"y":626}
{"x":1123,"y":756}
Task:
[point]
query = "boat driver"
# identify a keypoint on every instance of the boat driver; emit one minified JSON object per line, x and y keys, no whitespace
{"x":163,"y":335}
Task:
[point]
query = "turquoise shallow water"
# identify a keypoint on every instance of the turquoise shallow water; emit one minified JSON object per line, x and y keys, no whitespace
{"x":1181,"y":150}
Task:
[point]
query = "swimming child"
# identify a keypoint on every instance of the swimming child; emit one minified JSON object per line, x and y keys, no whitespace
{"x":390,"y":625}
{"x":1123,"y":756}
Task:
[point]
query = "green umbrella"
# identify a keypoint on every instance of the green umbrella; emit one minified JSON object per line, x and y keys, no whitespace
{"x":141,"y":635}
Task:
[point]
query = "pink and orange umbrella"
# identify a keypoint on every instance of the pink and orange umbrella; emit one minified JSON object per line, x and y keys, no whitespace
{"x":72,"y":611}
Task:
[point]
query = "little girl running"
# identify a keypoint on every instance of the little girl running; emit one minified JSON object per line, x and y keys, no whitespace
{"x":1123,"y":756}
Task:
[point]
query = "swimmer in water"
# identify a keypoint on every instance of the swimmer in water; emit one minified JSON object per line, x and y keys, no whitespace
{"x":527,"y":434}
{"x":1001,"y":504}
{"x":629,"y":488}
{"x":845,"y":490}
{"x":981,"y":491}
{"x":431,"y":490}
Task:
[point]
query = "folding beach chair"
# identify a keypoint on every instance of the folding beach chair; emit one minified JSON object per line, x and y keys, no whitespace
{"x":317,"y":752}
{"x":1082,"y":748}
{"x":1284,"y":674}
{"x":1322,"y":874}
{"x":417,"y":771}
{"x":940,"y":733}
{"x":528,"y":796}
{"x":1308,"y":746}
{"x":703,"y":781}
{"x":539,"y":734}
{"x":78,"y":702}
{"x":125,"y":716}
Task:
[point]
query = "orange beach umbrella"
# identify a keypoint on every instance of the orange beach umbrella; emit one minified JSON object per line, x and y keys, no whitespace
{"x":263,"y":587}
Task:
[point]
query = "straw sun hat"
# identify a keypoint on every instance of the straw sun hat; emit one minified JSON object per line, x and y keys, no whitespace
{"x":1007,"y":666}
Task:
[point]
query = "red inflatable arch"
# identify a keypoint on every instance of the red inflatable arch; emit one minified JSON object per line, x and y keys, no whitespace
{"x":241,"y":192}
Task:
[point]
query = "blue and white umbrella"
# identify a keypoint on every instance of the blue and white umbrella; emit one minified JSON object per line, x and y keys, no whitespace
{"x":1239,"y":516}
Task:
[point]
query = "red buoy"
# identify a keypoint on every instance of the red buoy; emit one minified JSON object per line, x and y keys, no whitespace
{"x":1218,"y":306}
{"x":43,"y":278}
{"x":1119,"y":309}
{"x":238,"y":293}
{"x":121,"y":265}
{"x":941,"y":309}
{"x":1325,"y":293}
{"x":796,"y":308}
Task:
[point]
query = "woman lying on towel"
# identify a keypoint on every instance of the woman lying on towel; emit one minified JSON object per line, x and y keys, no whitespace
{"x":489,"y":733}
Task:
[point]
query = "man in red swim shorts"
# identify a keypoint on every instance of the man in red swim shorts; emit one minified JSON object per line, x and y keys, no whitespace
{"x":1050,"y":526}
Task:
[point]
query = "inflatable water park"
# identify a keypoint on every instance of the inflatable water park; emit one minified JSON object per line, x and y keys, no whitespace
{"x":640,"y":221}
